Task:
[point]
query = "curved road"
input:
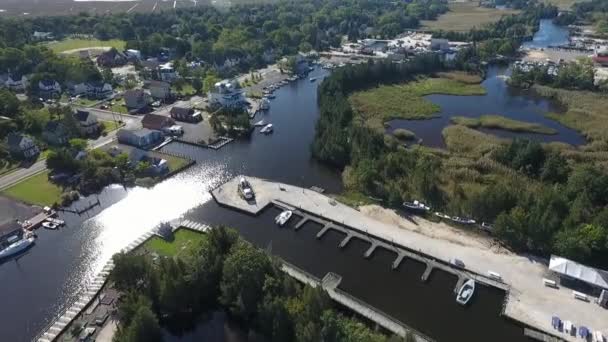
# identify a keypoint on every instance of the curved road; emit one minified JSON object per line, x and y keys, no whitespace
{"x":130,"y":121}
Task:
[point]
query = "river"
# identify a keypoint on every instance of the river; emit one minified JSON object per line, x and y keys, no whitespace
{"x":35,"y":287}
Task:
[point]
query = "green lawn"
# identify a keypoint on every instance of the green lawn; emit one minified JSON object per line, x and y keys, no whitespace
{"x":175,"y":163}
{"x":109,"y":126}
{"x":184,"y":239}
{"x":35,"y":190}
{"x":501,"y":122}
{"x":119,"y":106}
{"x":72,"y":44}
{"x":185,"y":90}
{"x":406,"y":101}
{"x":463,"y":16}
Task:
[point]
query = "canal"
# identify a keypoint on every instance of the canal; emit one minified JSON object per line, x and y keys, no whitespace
{"x":37,"y":286}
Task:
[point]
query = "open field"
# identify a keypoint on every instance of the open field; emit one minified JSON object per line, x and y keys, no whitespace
{"x":73,"y":44}
{"x":562,"y":4}
{"x":183,"y":240}
{"x":501,"y":122}
{"x":405,"y":101}
{"x":35,"y":190}
{"x":463,"y":16}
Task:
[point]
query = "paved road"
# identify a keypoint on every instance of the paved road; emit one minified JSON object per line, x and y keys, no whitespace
{"x":130,"y":121}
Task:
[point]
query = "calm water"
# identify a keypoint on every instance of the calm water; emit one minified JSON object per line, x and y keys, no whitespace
{"x":500,"y":99}
{"x":548,"y":34}
{"x":34,"y":288}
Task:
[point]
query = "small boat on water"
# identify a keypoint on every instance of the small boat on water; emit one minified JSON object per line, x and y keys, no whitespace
{"x":462,"y":220}
{"x":416,"y":206}
{"x":466,"y":292}
{"x":17,"y":247}
{"x":271,"y":96}
{"x":312,"y":79}
{"x":267,"y":129}
{"x":50,"y":225}
{"x":283,"y":218}
{"x":260,"y":123}
{"x":56,"y":221}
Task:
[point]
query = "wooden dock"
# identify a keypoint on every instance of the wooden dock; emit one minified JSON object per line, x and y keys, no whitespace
{"x":36,"y":221}
{"x":330,"y":283}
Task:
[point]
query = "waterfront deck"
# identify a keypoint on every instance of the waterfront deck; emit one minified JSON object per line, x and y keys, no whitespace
{"x":527,"y":300}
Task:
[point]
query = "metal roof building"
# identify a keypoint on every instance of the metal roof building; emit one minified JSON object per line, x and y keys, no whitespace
{"x":569,"y":268}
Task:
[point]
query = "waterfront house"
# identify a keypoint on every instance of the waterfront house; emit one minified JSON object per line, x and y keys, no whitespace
{"x":160,"y":90}
{"x":157,"y":122}
{"x":87,"y":122}
{"x":158,"y":166}
{"x":21,"y":146}
{"x":183,"y":113}
{"x":111,"y":58}
{"x":167,"y":73}
{"x":142,"y":138}
{"x":136,"y":99}
{"x":55,"y":133}
{"x":16,"y":82}
{"x":48,"y":88}
{"x":226,"y":94}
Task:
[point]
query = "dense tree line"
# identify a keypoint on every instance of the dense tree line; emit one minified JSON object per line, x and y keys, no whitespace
{"x":244,"y":31}
{"x":229,"y":274}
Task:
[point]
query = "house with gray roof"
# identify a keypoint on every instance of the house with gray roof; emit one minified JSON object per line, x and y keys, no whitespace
{"x":21,"y":146}
{"x":55,"y":133}
{"x":87,"y":122}
{"x":142,"y":138}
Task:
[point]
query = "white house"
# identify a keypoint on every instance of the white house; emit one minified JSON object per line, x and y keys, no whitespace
{"x":49,"y":88}
{"x":226,"y":94}
{"x":167,"y":72}
{"x":97,"y":90}
{"x":16,"y":82}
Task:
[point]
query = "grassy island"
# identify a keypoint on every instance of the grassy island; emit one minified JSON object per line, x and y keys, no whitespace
{"x":406,"y":101}
{"x":501,"y":122}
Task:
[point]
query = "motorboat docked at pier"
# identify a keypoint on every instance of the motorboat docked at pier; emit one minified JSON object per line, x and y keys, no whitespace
{"x":267,"y":129}
{"x":245,"y":189}
{"x":466,"y":292}
{"x":50,"y":225}
{"x":416,"y":206}
{"x":17,"y":247}
{"x":283,"y":217}
{"x":462,"y":220}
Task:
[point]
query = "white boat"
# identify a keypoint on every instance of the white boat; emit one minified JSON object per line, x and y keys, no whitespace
{"x":462,"y":220}
{"x":245,"y":189}
{"x":50,"y":225}
{"x":416,"y":206}
{"x":598,"y":336}
{"x":486,"y":226}
{"x":441,"y":215}
{"x":56,"y":221}
{"x":312,"y":79}
{"x":267,"y":129}
{"x":283,"y":218}
{"x":17,"y":247}
{"x":260,"y":123}
{"x":466,"y":292}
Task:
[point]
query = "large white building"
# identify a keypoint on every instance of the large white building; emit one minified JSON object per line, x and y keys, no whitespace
{"x":226,"y":94}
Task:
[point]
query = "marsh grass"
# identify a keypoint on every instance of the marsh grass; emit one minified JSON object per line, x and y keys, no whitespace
{"x":501,"y":122}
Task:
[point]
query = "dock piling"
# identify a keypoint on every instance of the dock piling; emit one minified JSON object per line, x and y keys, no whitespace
{"x":371,"y":249}
{"x":427,"y":271}
{"x":346,"y":240}
{"x":398,"y":261}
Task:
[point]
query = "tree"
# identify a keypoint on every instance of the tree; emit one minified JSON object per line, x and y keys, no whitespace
{"x":209,"y":82}
{"x":78,"y":144}
{"x":243,"y":277}
{"x":144,"y":327}
{"x":9,"y":104}
{"x":197,"y":84}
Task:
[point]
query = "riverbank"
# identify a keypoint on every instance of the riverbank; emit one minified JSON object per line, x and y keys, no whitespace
{"x":528,"y":301}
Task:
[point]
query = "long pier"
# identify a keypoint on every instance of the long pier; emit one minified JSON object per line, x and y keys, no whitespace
{"x":351,"y":233}
{"x":330,"y":284}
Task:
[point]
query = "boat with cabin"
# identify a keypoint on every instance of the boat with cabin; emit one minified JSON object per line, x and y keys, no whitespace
{"x":267,"y":129}
{"x":283,"y":217}
{"x":56,"y":221}
{"x":416,"y":206}
{"x":466,"y":292}
{"x":17,"y":247}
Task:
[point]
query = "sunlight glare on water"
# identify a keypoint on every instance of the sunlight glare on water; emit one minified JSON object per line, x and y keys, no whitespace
{"x":143,"y":209}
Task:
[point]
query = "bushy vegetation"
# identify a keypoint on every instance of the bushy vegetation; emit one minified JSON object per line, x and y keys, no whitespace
{"x":501,"y":122}
{"x":223,"y":272}
{"x":578,"y":75}
{"x":540,"y":198}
